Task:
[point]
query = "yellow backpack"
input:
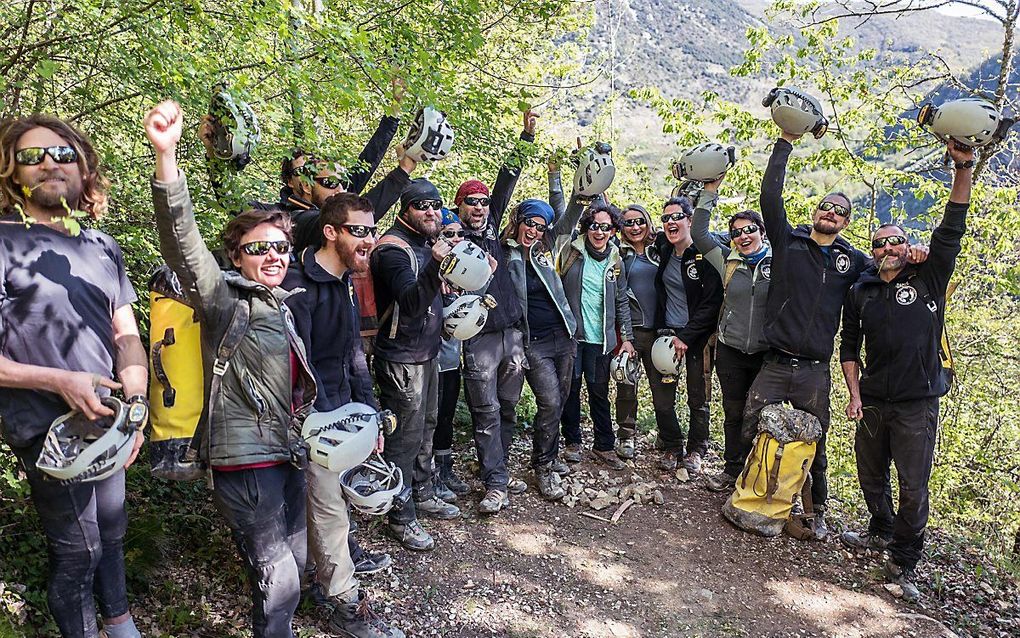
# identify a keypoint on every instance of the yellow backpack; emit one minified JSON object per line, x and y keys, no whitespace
{"x":775,"y":471}
{"x":180,"y":382}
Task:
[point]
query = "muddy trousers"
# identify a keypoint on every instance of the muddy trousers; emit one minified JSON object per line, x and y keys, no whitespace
{"x":265,"y":508}
{"x":84,"y":526}
{"x":550,"y":373}
{"x":901,"y":432}
{"x":805,"y":385}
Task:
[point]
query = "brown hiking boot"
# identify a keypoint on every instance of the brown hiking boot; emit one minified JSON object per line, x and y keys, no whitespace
{"x":609,"y":458}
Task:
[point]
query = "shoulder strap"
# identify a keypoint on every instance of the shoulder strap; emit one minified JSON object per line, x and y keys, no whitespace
{"x":731,"y":268}
{"x":394,"y":310}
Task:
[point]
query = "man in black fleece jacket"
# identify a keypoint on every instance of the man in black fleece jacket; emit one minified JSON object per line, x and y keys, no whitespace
{"x":898,"y":311}
{"x":812,"y":269}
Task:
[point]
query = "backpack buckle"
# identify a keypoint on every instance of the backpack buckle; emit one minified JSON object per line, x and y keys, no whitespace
{"x":219,"y":367}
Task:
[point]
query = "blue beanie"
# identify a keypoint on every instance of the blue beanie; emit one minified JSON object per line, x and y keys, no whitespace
{"x":535,"y":208}
{"x":449,"y":217}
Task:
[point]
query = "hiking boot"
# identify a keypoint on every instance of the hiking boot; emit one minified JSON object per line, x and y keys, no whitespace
{"x":865,"y":541}
{"x":313,"y":597}
{"x":572,"y":453}
{"x":443,"y":492}
{"x":559,"y":467}
{"x":435,"y":507}
{"x":721,"y":482}
{"x":904,"y":578}
{"x":625,"y":448}
{"x":692,"y":462}
{"x":516,"y":486}
{"x":372,"y":563}
{"x":444,"y":462}
{"x":493,"y":501}
{"x":412,"y":536}
{"x":355,"y":619}
{"x":669,"y":460}
{"x":608,"y":457}
{"x":821,"y":529}
{"x":549,"y":486}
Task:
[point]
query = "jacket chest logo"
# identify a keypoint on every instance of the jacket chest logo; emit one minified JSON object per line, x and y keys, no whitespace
{"x":765,"y":268}
{"x":612,"y":273}
{"x":692,"y":270}
{"x":842,"y":263}
{"x":490,"y":234}
{"x":905,"y":294}
{"x":543,"y":260}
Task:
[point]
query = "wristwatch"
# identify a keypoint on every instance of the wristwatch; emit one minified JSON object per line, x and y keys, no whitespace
{"x":138,"y":411}
{"x":968,"y":164}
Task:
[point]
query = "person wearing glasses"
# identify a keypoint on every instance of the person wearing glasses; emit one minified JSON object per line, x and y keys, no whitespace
{"x":898,"y":310}
{"x":745,"y":264}
{"x":595,"y":284}
{"x":494,"y":359}
{"x":448,"y":485}
{"x":326,"y":318}
{"x":689,"y":293}
{"x":641,"y":262}
{"x":266,"y":386}
{"x":813,"y":267}
{"x":408,"y":294}
{"x":66,"y":332}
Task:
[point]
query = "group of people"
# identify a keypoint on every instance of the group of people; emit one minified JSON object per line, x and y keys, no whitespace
{"x":575,"y":280}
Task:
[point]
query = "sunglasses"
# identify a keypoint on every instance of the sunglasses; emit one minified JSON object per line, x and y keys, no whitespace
{"x":450,"y":234}
{"x":476,"y":201}
{"x":750,"y":229}
{"x":330,"y":182}
{"x":891,"y":240}
{"x":531,"y":223}
{"x":425,"y":204}
{"x":637,"y":221}
{"x":604,"y":227}
{"x":262,"y":248}
{"x":35,"y":154}
{"x":674,"y":217}
{"x":839,"y":209}
{"x":360,"y":231}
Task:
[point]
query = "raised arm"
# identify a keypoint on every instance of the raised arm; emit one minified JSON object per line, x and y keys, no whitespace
{"x":506,"y":181}
{"x":375,"y":149}
{"x":387,"y":191}
{"x":715,"y":253}
{"x":180,"y":242}
{"x":946,"y":239}
{"x":773,"y":207}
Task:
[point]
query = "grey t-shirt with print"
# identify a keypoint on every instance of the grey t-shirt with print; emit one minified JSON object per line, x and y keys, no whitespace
{"x":58,"y":294}
{"x":676,"y":295}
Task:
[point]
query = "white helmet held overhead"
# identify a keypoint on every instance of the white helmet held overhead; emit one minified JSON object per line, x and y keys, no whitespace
{"x":430,"y":137}
{"x":665,"y":360}
{"x":624,"y":368}
{"x":343,"y":438}
{"x":373,"y":487}
{"x":79,"y":450}
{"x":465,"y":317}
{"x":705,"y":162}
{"x":971,"y":121}
{"x":796,"y":112}
{"x":595,"y":170}
{"x":466,"y":267}
{"x":235,"y":129}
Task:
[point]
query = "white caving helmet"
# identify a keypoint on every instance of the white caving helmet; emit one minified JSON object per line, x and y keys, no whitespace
{"x":430,"y":137}
{"x":624,"y":368}
{"x":465,"y":317}
{"x":79,"y":450}
{"x":343,"y":438}
{"x":466,"y":267}
{"x":704,"y":163}
{"x":595,"y":170}
{"x":665,"y":360}
{"x":796,"y":112}
{"x":235,"y":129}
{"x":970,"y":121}
{"x":373,"y":487}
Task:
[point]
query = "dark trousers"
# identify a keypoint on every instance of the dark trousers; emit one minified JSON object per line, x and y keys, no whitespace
{"x":903,"y":433}
{"x":265,"y":509}
{"x":594,"y":367}
{"x":550,"y":372}
{"x":84,"y":526}
{"x":663,"y":395}
{"x":736,"y":371}
{"x":493,"y":379}
{"x":449,"y":393}
{"x":698,"y":366}
{"x":411,"y":392}
{"x":806,"y":387}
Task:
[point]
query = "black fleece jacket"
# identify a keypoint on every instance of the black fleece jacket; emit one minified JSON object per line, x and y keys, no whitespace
{"x":900,"y":323}
{"x":702,"y":286}
{"x":808,"y":288}
{"x":327,"y":320}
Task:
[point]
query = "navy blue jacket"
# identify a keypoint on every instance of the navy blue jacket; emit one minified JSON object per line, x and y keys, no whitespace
{"x":327,"y":320}
{"x":702,"y":287}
